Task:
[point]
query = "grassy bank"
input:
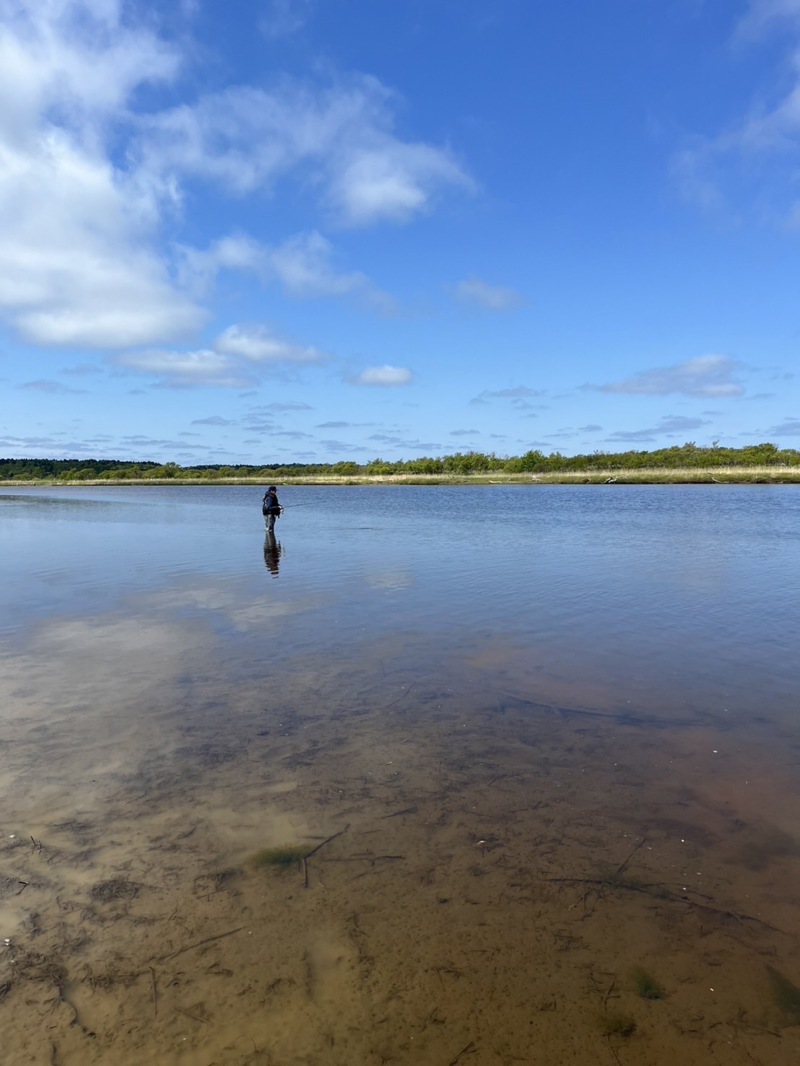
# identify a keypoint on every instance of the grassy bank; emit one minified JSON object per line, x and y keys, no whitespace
{"x":724,"y":475}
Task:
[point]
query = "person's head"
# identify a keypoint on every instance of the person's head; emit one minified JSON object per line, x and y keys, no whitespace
{"x":272,"y":489}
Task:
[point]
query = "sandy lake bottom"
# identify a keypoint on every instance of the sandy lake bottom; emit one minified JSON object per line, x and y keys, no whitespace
{"x":521,"y":873}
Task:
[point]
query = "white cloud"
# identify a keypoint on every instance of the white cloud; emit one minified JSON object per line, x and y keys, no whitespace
{"x":53,"y":388}
{"x":88,"y":178}
{"x":383,"y":178}
{"x":668,"y":426}
{"x":238,"y":358}
{"x":384,"y":376}
{"x":752,"y":166}
{"x":789,"y":428}
{"x":706,"y":375}
{"x":490,"y":297}
{"x":75,"y":266}
{"x":248,"y":139}
{"x":764,"y":15}
{"x":303,"y":265}
{"x":519,"y":396}
{"x":201,"y":367}
{"x":257,"y":344}
{"x":76,"y":57}
{"x":291,"y":405}
{"x":284,"y":17}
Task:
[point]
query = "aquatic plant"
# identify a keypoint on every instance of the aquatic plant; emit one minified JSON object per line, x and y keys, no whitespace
{"x":285,"y":855}
{"x":785,"y":994}
{"x":767,"y":843}
{"x":647,"y":987}
{"x":617,"y":1024}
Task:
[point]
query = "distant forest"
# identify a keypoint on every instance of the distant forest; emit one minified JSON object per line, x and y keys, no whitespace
{"x":687,"y":456}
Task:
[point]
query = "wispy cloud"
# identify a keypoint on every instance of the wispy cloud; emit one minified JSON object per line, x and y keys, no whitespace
{"x":303,"y":266}
{"x":92,"y":174}
{"x":385,"y":376}
{"x":408,"y":444}
{"x":668,"y":426}
{"x":519,"y":396}
{"x":258,"y":344}
{"x":341,"y":136}
{"x":762,"y":16}
{"x":212,"y":420}
{"x":479,"y":293}
{"x":750,"y":168}
{"x":54,"y":388}
{"x":77,"y":261}
{"x":289,"y":405}
{"x":706,"y":375}
{"x":282,"y":18}
{"x":83,"y":370}
{"x":789,"y":428}
{"x":238,"y":358}
{"x":335,"y":447}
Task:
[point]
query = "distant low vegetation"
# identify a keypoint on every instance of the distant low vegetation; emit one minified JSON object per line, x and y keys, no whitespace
{"x":686,"y":457}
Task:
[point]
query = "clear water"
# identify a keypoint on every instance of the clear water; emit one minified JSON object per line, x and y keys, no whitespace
{"x":495,"y":694}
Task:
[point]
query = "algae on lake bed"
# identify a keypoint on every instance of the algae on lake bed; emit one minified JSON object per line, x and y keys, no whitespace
{"x":786,"y":995}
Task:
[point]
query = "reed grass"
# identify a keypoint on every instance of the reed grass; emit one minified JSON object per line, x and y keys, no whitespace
{"x":723,"y":475}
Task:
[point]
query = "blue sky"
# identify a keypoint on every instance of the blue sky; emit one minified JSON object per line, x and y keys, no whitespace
{"x":312,"y":230}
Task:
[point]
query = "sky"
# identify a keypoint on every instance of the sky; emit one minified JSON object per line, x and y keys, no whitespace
{"x":275,"y":231}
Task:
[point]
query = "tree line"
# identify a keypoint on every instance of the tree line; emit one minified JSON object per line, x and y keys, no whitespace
{"x":685,"y":456}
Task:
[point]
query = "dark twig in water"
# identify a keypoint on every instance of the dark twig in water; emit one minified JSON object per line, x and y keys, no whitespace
{"x":397,"y":814}
{"x":467,"y":1049}
{"x":190,"y":1014}
{"x":623,"y":717}
{"x":656,"y":892}
{"x":304,"y":859}
{"x":366,"y":858}
{"x":199,"y":944}
{"x":402,"y":696}
{"x":613,"y":1050}
{"x":155,"y":991}
{"x":326,"y":841}
{"x":633,"y":851}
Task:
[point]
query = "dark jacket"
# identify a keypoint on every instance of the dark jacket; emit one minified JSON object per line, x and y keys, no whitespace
{"x":270,"y":505}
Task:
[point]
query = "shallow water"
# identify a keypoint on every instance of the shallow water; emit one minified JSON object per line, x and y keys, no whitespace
{"x":552,"y":733}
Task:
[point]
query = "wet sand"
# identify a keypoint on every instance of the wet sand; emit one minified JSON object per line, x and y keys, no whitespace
{"x":494,"y":855}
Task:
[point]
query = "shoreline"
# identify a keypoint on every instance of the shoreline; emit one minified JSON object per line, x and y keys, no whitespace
{"x":756,"y":475}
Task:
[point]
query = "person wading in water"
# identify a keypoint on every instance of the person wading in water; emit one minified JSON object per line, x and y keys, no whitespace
{"x":270,"y":508}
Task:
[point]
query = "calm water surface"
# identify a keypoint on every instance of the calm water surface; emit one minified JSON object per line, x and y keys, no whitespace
{"x":551,"y":733}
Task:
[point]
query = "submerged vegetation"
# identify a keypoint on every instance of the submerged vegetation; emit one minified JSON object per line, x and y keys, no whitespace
{"x":786,"y":995}
{"x":688,"y":462}
{"x":647,"y":987}
{"x":286,"y":855}
{"x":617,"y":1024}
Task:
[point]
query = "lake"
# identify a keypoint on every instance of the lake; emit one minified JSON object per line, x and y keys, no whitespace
{"x":441,"y":774}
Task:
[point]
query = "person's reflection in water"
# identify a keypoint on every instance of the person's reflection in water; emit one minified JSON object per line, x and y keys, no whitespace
{"x":272,"y":553}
